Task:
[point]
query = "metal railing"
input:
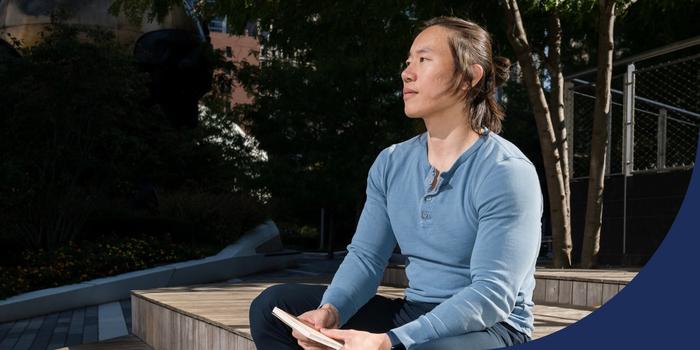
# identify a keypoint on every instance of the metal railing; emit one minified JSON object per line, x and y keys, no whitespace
{"x":654,"y":118}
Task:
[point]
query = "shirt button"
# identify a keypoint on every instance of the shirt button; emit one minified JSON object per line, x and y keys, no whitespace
{"x":428,"y":199}
{"x":425,"y":215}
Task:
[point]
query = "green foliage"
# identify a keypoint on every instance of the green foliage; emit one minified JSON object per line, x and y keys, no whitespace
{"x":663,"y":22}
{"x":64,"y":132}
{"x":75,"y":131}
{"x":135,"y":10}
{"x":302,"y":237}
{"x":324,"y":111}
{"x":327,"y":95}
{"x":217,"y":219}
{"x":77,"y":262}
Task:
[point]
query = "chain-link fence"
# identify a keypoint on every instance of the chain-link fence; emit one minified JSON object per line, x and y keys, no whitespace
{"x":662,"y":121}
{"x":653,"y":129}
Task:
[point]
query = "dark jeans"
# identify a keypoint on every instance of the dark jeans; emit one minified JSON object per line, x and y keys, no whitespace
{"x":379,"y":315}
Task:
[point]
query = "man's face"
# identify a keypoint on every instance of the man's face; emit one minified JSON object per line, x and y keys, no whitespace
{"x":428,"y":79}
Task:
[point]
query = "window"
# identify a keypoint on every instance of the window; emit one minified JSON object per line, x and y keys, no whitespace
{"x":218,"y":24}
{"x":251,"y":28}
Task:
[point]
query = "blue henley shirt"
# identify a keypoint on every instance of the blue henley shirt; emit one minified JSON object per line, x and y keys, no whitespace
{"x":471,"y":242}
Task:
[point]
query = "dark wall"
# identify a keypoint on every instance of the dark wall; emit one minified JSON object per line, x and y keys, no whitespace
{"x":653,"y":200}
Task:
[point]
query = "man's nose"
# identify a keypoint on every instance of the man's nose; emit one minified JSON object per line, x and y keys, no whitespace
{"x":407,"y":75}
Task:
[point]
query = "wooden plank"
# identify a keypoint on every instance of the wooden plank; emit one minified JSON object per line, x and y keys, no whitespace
{"x":594,"y":297}
{"x":611,"y":276}
{"x":565,"y":292}
{"x":551,"y":291}
{"x":609,"y":291}
{"x":216,"y":316}
{"x":579,"y":293}
{"x":549,"y":319}
{"x":538,"y":295}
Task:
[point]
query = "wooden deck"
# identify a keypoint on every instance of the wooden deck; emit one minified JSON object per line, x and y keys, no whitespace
{"x":216,"y":316}
{"x":574,"y":288}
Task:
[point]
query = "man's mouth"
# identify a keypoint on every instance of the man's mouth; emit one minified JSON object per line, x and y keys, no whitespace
{"x":408,"y":93}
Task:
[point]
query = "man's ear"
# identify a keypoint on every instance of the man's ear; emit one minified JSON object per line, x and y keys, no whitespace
{"x":477,"y":73}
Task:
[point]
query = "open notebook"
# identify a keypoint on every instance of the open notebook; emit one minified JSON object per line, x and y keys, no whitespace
{"x":306,"y":330}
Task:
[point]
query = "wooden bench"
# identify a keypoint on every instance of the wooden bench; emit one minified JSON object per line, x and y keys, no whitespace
{"x":215,"y":316}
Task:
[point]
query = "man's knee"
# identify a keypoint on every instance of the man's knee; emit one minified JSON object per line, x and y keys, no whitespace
{"x":261,"y":307}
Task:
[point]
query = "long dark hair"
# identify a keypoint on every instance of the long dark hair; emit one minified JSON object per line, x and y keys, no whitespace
{"x":470,"y":44}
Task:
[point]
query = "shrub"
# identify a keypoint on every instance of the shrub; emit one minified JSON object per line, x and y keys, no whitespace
{"x":77,"y":262}
{"x":213,"y":218}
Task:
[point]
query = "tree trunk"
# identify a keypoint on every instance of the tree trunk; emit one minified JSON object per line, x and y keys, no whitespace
{"x":556,"y":108}
{"x":556,"y":189}
{"x":599,"y":137}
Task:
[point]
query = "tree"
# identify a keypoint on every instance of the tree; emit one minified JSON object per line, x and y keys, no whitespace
{"x":327,"y":96}
{"x":549,"y":117}
{"x":63,"y":133}
{"x":76,"y":132}
{"x":323,"y":112}
{"x":607,"y":10}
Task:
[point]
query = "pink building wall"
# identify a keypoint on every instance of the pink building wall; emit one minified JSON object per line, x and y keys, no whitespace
{"x":242,"y":49}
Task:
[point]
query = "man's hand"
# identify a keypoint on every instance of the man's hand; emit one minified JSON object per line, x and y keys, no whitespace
{"x":325,"y":317}
{"x":359,"y":340}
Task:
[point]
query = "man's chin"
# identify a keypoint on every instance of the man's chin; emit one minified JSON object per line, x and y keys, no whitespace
{"x":411,"y":114}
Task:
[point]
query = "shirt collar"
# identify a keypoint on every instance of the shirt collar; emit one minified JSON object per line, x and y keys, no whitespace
{"x":423,"y":140}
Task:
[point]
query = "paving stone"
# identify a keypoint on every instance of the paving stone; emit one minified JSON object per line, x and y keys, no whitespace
{"x":76,"y":323}
{"x":90,"y":334}
{"x":27,"y":338}
{"x":5,"y":328}
{"x":13,"y":335}
{"x":90,"y":326}
{"x":60,"y":333}
{"x":91,"y":311}
{"x":9,"y":342}
{"x":91,"y":318}
{"x":35,"y":324}
{"x":75,"y":330}
{"x":111,"y":324}
{"x":25,"y":341}
{"x":126,"y":310}
{"x":44,"y":335}
{"x":18,"y":328}
{"x":74,"y":339}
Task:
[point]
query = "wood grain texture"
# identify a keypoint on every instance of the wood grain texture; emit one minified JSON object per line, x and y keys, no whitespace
{"x":216,"y":316}
{"x":201,"y":317}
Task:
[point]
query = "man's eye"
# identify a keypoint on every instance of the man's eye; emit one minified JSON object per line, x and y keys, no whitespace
{"x":422,"y":59}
